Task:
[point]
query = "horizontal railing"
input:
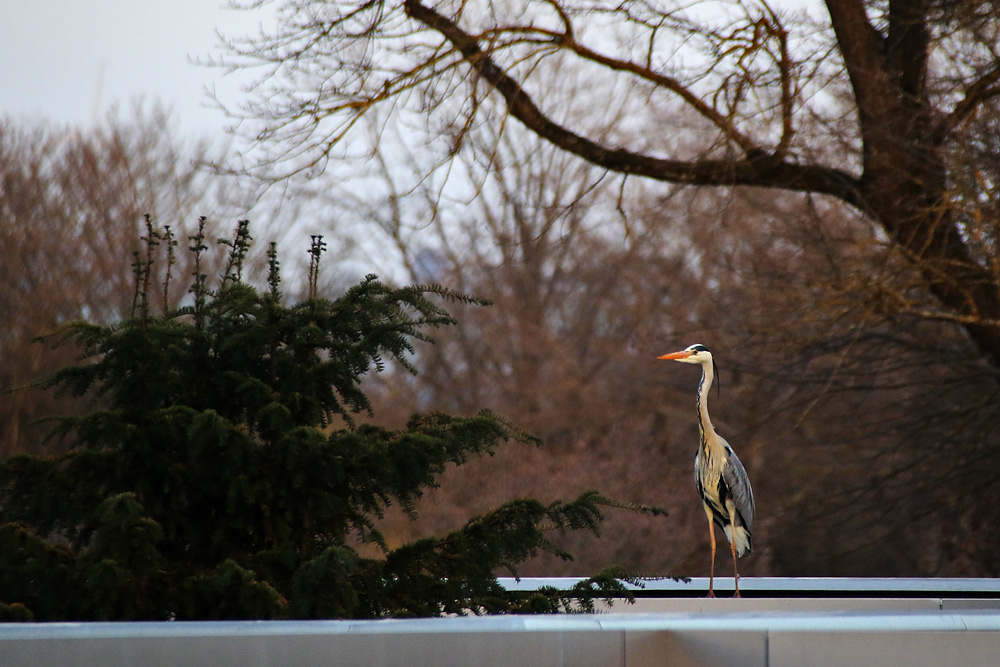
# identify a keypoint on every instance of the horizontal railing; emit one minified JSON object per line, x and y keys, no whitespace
{"x":788,"y":587}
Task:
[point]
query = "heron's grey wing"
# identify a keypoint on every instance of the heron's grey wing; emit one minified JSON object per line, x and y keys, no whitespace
{"x":735,"y":476}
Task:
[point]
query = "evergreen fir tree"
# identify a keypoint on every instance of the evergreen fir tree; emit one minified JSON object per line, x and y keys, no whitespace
{"x":221,"y":474}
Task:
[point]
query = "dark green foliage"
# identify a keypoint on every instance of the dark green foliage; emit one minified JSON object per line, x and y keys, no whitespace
{"x":220,"y":474}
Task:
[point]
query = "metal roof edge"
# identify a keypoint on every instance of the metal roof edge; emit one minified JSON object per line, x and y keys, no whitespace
{"x":818,"y":586}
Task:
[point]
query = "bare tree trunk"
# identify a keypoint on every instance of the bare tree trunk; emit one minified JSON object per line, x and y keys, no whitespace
{"x":904,"y":183}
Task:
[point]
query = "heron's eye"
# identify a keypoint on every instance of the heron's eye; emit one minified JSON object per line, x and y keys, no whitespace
{"x":698,"y":348}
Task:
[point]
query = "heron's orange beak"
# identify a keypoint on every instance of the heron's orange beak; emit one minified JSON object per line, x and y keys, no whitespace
{"x":683,"y":354}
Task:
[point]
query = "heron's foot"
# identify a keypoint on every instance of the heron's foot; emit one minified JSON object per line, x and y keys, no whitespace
{"x":711,"y":594}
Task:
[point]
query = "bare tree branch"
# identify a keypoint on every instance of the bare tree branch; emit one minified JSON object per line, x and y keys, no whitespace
{"x":979,"y":91}
{"x":759,"y":169}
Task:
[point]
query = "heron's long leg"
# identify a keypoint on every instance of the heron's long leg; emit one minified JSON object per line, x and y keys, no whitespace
{"x":732,"y":545}
{"x":736,"y":574}
{"x":711,"y":539}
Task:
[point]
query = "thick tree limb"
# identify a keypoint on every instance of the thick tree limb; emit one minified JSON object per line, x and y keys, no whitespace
{"x":978,"y":92}
{"x":907,"y":45}
{"x":759,"y":169}
{"x":861,"y":48}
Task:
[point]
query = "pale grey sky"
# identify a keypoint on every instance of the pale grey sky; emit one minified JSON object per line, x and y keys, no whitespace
{"x":71,"y":60}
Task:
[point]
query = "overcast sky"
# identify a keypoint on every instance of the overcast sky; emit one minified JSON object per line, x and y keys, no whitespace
{"x":71,"y":60}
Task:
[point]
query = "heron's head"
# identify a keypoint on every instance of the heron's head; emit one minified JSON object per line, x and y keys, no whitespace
{"x":695,"y":354}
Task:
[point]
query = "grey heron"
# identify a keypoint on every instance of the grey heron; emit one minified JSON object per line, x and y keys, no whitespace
{"x":721,"y":479}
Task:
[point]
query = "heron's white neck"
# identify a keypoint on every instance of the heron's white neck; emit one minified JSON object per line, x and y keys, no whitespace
{"x":704,"y":421}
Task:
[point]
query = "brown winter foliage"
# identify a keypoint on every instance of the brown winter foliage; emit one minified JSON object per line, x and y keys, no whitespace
{"x":72,"y":205}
